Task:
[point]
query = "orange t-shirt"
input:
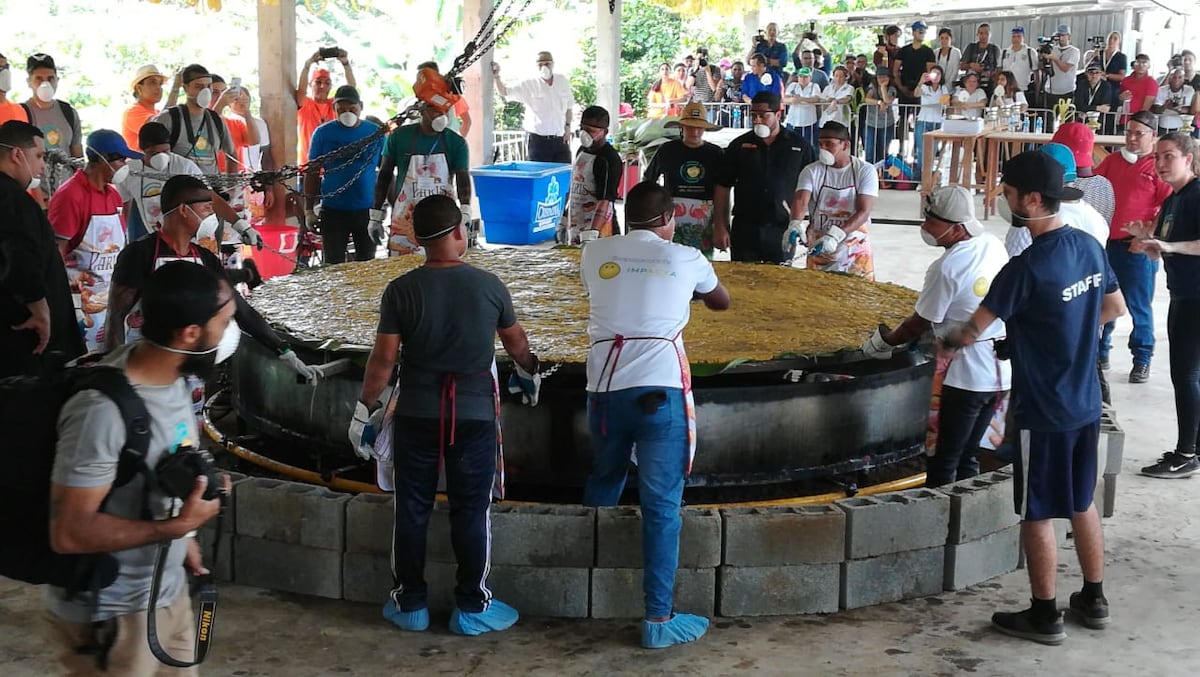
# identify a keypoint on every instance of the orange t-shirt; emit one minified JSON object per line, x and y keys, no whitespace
{"x":237,"y":134}
{"x":12,"y":111}
{"x":311,"y":115}
{"x":132,"y":120}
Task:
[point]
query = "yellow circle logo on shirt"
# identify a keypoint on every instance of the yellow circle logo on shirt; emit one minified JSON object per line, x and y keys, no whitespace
{"x":202,"y":143}
{"x":609,"y":270}
{"x":981,"y":287}
{"x":52,"y":138}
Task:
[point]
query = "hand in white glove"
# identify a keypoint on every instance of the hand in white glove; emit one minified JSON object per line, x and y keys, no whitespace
{"x":375,"y":225}
{"x":875,"y":347}
{"x":793,"y":237}
{"x":829,"y":242}
{"x":248,"y":234}
{"x":293,"y":360}
{"x":364,"y":428}
{"x":466,"y":214}
{"x":529,"y":385}
{"x":317,"y":209}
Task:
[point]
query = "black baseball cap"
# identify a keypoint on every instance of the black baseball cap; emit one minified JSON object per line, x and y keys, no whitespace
{"x":153,"y":134}
{"x":40,"y":60}
{"x":1037,"y":172}
{"x":346,"y":93}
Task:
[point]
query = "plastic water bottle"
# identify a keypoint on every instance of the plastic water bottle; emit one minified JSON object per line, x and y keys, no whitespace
{"x":737,"y":117}
{"x":1038,"y":125}
{"x":1025,"y":125}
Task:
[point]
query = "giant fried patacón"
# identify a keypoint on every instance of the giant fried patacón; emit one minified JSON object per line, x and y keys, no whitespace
{"x":776,"y":310}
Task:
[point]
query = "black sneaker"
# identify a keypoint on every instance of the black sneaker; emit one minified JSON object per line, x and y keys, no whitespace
{"x":1093,"y":614}
{"x":1140,"y":373}
{"x":1172,"y":465}
{"x":1104,"y":364}
{"x":1023,"y":624}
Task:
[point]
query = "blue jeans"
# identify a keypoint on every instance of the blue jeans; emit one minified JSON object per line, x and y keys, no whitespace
{"x":470,"y":469}
{"x":963,"y":417}
{"x":1135,"y":273}
{"x":653,"y":418}
{"x":877,"y":140}
{"x":923,"y":127}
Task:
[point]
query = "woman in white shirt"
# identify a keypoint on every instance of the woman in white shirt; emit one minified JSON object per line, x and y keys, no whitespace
{"x":802,"y":97}
{"x":934,"y":97}
{"x":837,"y":97}
{"x":947,"y":56}
{"x":1007,"y":93}
{"x":969,"y":100}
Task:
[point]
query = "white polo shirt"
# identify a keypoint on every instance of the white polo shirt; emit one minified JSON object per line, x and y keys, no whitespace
{"x":640,"y":287}
{"x":1062,"y":83}
{"x":1021,"y":63}
{"x":546,"y":104}
{"x":955,"y":284}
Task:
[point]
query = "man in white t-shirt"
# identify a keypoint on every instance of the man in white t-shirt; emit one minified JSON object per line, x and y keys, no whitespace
{"x":640,"y":289}
{"x":976,"y":380}
{"x":836,"y":193}
{"x":1074,"y":213}
{"x":549,"y":108}
{"x":1020,"y":59}
{"x":1174,"y":98}
{"x":1064,"y":57}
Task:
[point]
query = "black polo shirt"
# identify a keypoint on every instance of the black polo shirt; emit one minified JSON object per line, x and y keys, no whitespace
{"x":765,"y":175}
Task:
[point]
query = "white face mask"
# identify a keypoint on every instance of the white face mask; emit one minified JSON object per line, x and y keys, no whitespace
{"x":34,"y":181}
{"x":204,"y":98}
{"x":160,"y":162}
{"x":545,"y":72}
{"x":229,"y":341}
{"x":762,"y":131}
{"x":585,"y":139}
{"x":439,"y":123}
{"x":6,"y":80}
{"x":121,"y":174}
{"x":348,"y":119}
{"x":208,"y":227}
{"x":826,"y":158}
{"x":45,"y":92}
{"x":1017,"y":221}
{"x":1129,"y":156}
{"x":929,"y":239}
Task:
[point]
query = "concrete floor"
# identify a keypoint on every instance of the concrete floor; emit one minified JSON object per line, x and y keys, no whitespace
{"x":1153,"y":585}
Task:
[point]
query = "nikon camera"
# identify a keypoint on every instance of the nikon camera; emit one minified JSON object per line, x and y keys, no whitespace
{"x":177,"y":473}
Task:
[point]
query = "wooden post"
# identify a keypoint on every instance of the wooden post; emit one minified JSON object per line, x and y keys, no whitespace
{"x":608,"y":61}
{"x":477,"y":83}
{"x":277,"y":76}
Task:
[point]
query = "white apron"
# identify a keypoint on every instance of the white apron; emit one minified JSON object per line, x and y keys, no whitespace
{"x":89,"y":269}
{"x":585,"y":197}
{"x":425,"y":175}
{"x":832,"y":206}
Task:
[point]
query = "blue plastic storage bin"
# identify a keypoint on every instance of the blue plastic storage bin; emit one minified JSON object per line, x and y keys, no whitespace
{"x":521,"y":202}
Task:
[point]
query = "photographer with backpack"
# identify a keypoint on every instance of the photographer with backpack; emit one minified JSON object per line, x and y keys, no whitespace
{"x":188,"y":328}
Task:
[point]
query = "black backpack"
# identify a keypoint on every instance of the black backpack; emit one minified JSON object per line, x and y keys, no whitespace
{"x":214,"y":122}
{"x":29,"y":410}
{"x":68,"y":113}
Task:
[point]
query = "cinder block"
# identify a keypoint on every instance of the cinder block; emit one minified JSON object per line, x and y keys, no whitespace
{"x":897,"y":522}
{"x":369,"y":523}
{"x":982,"y":559}
{"x":892,"y":577}
{"x":288,"y":567}
{"x":222,"y":566}
{"x":1109,"y":495}
{"x":617,"y":593}
{"x":778,"y":591}
{"x":979,"y":506}
{"x":291,"y":512}
{"x":810,"y":534}
{"x":1112,"y":442}
{"x":619,"y":538}
{"x":543,"y":536}
{"x":368,"y":578}
{"x":560,"y":592}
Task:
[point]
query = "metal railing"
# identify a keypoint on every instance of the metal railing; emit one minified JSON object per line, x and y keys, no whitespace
{"x":510,"y":146}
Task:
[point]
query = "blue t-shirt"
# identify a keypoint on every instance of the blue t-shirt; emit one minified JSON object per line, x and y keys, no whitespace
{"x":1179,"y":221}
{"x":361,"y":194}
{"x":751,"y":85}
{"x":1050,"y":296}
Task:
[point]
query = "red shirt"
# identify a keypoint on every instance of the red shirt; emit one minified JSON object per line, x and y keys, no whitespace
{"x":1140,"y":88}
{"x":314,"y":113}
{"x":75,"y":203}
{"x":1138,"y":190}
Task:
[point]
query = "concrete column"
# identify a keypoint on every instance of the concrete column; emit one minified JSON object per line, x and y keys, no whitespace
{"x":477,"y":83}
{"x":608,"y":60}
{"x":277,"y":76}
{"x":750,"y":23}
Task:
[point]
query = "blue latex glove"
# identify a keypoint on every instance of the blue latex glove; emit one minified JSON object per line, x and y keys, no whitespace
{"x":528,"y":385}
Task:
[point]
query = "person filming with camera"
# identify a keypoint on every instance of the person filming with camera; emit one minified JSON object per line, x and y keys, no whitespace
{"x":1063,"y":58}
{"x":188,"y":328}
{"x":775,"y":52}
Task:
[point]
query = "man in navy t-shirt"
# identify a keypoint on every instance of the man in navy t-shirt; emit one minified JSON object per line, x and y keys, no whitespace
{"x":1054,"y":297}
{"x":346,"y":185}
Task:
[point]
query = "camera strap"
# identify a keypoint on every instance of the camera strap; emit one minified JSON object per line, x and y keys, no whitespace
{"x":206,"y":614}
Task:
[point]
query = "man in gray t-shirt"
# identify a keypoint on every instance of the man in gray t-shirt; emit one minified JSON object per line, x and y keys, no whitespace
{"x":58,"y":121}
{"x":201,"y":135}
{"x":187,"y":311}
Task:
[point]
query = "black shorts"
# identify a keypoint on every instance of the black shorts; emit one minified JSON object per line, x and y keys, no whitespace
{"x":1055,"y":473}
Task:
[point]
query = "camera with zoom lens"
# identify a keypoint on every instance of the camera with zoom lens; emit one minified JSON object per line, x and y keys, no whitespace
{"x":1097,"y":42}
{"x":760,"y":36}
{"x":1046,"y":45}
{"x":177,"y":473}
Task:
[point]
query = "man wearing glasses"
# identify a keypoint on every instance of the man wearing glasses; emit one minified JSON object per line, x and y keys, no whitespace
{"x":549,"y":108}
{"x":316,"y":108}
{"x":764,"y":165}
